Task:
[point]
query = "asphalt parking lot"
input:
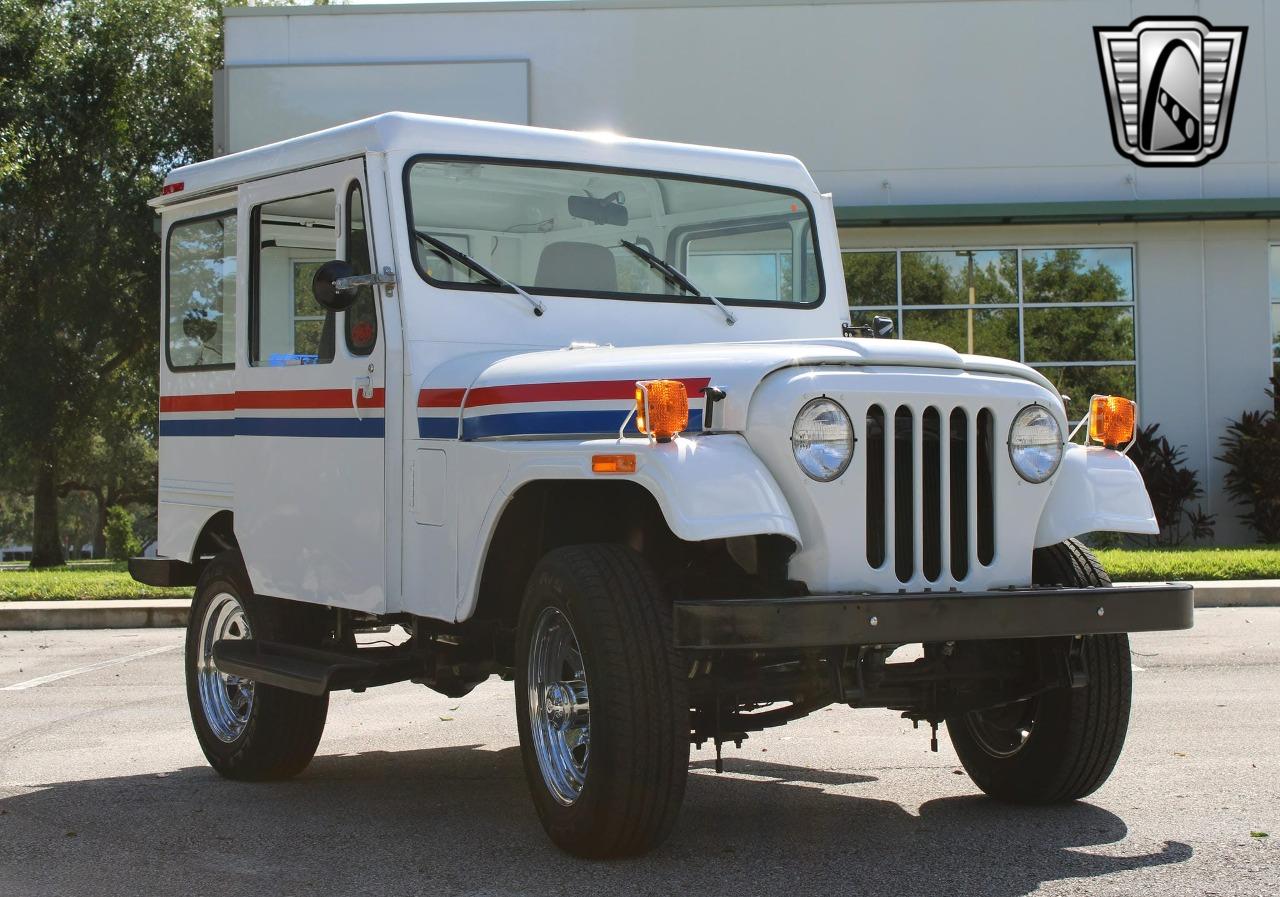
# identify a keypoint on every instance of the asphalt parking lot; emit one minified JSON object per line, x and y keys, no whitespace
{"x":103,"y":791}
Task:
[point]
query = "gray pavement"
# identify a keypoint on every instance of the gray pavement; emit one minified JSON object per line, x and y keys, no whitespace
{"x":103,"y":791}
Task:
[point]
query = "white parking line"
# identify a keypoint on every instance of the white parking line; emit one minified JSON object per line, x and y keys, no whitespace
{"x":54,"y":677}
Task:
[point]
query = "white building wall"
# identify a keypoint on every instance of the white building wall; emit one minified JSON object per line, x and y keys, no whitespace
{"x":946,"y":101}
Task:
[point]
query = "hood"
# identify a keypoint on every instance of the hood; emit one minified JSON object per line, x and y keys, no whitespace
{"x":589,"y":390}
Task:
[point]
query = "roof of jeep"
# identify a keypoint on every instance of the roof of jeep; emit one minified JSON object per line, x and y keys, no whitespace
{"x":410,"y":133}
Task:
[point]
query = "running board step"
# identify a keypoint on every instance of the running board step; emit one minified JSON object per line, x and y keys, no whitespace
{"x":310,"y":670}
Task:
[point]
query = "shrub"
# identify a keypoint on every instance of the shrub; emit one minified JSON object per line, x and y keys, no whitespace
{"x":122,"y":544}
{"x":1253,"y":459}
{"x":1172,"y":486}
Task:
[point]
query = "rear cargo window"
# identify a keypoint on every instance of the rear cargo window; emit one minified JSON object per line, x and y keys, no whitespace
{"x":202,"y":293}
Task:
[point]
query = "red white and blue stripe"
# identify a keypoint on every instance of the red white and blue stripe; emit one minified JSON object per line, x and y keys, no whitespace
{"x":575,"y":408}
{"x":275,"y":412}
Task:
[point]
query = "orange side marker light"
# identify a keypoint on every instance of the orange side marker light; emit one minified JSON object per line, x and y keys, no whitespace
{"x":613,"y":463}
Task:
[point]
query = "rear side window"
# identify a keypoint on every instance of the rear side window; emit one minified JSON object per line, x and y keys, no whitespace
{"x":201,"y":293}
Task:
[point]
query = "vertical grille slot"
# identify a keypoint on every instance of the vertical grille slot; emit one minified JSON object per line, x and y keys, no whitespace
{"x":876,"y":525}
{"x":986,"y":488}
{"x":932,"y":480}
{"x":958,"y":493}
{"x":903,"y":493}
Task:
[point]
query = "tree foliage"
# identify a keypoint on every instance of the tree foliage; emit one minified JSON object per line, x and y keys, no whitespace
{"x":98,"y":99}
{"x":122,"y":543}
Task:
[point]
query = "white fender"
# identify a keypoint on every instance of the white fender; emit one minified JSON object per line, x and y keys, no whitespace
{"x":708,"y":487}
{"x":1096,"y":489}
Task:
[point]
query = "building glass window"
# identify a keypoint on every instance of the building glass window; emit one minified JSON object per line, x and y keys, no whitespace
{"x":1067,"y":311}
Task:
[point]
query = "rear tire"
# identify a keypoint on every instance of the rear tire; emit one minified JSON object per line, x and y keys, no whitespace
{"x":1061,"y":745}
{"x":247,"y":730}
{"x":595,"y":659}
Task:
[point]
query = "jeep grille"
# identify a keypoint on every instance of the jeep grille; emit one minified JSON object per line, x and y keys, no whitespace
{"x":929,"y":500}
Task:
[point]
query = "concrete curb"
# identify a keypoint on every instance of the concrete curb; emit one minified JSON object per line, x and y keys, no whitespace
{"x":161,"y":613}
{"x":172,"y":613}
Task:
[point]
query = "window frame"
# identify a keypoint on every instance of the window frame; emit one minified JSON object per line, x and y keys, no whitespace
{"x":671,"y":298}
{"x":1021,"y":304}
{"x":168,"y":288}
{"x":255,"y":262}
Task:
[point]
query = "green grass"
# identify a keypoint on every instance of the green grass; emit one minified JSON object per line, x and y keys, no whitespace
{"x":78,"y":581}
{"x":1156,"y":564}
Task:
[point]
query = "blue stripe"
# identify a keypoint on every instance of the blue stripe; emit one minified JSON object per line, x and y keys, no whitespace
{"x":437,"y":428}
{"x":556,"y":423}
{"x":217,"y":426}
{"x":346,"y":427}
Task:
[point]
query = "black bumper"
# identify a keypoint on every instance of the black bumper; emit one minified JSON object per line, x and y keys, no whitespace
{"x":819,"y":621}
{"x":162,"y":572}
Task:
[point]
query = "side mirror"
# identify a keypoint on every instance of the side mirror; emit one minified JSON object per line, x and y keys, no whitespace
{"x":882,"y":326}
{"x":327,"y":288}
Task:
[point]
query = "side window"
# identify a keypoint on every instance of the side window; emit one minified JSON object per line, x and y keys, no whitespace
{"x":362,"y":317}
{"x":292,"y":238}
{"x":201,"y":292}
{"x":752,"y":263}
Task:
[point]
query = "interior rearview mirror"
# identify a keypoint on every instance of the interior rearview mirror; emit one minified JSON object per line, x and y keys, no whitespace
{"x":326,"y":285}
{"x":605,"y":210}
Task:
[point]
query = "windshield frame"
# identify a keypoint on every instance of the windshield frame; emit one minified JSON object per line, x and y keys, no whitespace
{"x":675,"y":298}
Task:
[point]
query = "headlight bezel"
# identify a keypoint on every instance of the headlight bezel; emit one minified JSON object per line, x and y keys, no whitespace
{"x":830,"y":475}
{"x":1036,"y":478}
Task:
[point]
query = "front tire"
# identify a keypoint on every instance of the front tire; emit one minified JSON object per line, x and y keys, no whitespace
{"x":601,"y":705}
{"x":247,"y":730}
{"x":1063,"y":744}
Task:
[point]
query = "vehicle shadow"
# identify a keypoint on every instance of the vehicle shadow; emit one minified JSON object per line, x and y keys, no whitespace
{"x":458,"y":820}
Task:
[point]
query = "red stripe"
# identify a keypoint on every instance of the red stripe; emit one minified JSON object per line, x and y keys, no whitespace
{"x":440,"y":398}
{"x":220,"y":401}
{"x":579,"y":391}
{"x":277,"y":399}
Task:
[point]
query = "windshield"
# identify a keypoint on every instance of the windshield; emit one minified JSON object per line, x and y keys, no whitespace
{"x":559,"y":229}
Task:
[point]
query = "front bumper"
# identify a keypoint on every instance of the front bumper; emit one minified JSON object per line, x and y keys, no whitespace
{"x":820,"y":621}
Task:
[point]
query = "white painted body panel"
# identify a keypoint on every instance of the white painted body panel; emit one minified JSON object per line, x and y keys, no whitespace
{"x":482,"y":398}
{"x":1096,"y":489}
{"x":707,"y":487}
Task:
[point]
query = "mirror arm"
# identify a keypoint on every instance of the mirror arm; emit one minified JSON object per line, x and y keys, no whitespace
{"x":386,"y":279}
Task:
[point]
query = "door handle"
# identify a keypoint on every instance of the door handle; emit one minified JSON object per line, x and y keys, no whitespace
{"x":364,"y":387}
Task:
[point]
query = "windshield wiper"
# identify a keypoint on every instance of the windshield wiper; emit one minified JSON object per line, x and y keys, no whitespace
{"x":676,"y":276}
{"x":449,"y":253}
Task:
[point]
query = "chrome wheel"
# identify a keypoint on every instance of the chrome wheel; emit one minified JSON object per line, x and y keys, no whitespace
{"x":559,"y":711}
{"x":226,"y":700}
{"x":1003,"y":731}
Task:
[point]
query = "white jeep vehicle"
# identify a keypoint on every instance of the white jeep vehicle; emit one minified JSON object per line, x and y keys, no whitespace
{"x":589,"y":413}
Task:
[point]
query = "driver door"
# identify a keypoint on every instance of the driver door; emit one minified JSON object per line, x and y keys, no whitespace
{"x":310,"y":401}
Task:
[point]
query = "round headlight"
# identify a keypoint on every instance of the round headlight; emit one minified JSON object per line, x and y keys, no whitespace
{"x":1035,"y":444}
{"x":822,"y":439}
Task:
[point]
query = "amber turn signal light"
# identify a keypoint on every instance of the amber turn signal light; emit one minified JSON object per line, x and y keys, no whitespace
{"x":1112,"y":420}
{"x":662,"y":408}
{"x":613,"y":463}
